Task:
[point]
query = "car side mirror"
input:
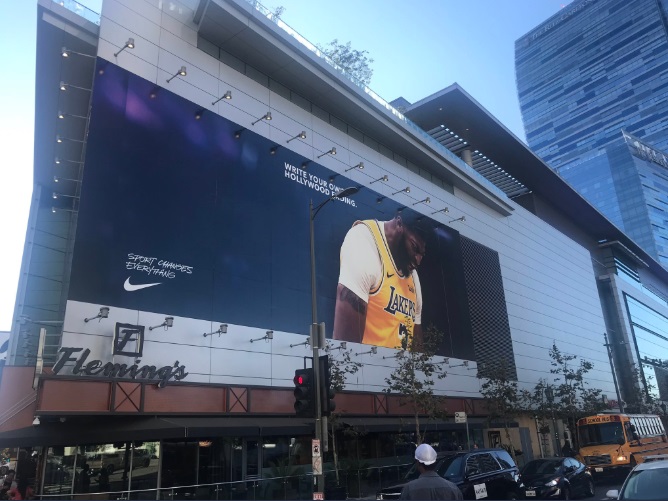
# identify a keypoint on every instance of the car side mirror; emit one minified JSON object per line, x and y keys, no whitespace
{"x":636,"y":436}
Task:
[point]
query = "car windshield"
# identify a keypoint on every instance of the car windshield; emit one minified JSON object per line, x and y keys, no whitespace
{"x":600,"y":434}
{"x":646,"y":485}
{"x":543,"y":467}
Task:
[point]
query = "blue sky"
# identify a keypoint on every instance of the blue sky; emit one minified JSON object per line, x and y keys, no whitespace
{"x":418,"y":48}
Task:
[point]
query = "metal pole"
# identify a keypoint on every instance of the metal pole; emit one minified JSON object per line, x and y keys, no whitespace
{"x":540,"y":442}
{"x":468,"y":439}
{"x":614,"y":374}
{"x":318,"y":480}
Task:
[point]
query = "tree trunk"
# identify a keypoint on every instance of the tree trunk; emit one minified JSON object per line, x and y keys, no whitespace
{"x":510,"y":442}
{"x":335,"y":454}
{"x":418,"y":438}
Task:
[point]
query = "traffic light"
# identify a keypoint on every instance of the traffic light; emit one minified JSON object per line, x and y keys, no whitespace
{"x":304,"y":392}
{"x":326,"y":391}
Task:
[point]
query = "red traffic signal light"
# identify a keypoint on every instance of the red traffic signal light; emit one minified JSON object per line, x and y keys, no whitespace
{"x":304,"y":393}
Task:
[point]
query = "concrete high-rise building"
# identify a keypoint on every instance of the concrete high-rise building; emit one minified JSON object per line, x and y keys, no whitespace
{"x":593,"y":91}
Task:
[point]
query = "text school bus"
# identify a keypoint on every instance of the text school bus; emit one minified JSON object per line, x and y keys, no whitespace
{"x":612,"y":441}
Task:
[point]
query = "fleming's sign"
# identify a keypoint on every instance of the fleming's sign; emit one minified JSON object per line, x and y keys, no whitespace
{"x":128,"y":341}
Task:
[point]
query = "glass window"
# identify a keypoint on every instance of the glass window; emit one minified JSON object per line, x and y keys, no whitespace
{"x":487,"y":463}
{"x":58,"y":470}
{"x":451,"y":467}
{"x":472,"y":466}
{"x":599,"y":434}
{"x":145,"y":460}
{"x":504,"y":459}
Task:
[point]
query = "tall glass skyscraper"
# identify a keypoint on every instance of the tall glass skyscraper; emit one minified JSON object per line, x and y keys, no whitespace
{"x":592,"y":83}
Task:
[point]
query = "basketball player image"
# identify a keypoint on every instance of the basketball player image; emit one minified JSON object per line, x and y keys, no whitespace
{"x":379,"y":287}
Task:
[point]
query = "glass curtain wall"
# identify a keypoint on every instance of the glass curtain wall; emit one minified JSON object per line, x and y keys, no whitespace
{"x":650,"y":330}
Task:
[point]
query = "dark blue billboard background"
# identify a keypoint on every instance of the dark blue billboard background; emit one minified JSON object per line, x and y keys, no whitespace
{"x":178,"y":216}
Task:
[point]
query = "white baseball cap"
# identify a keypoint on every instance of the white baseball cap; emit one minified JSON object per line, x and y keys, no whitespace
{"x":425,"y":454}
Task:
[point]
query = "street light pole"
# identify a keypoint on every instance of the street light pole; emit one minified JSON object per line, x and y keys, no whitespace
{"x":549,"y":393}
{"x":316,"y":336}
{"x":608,"y":348}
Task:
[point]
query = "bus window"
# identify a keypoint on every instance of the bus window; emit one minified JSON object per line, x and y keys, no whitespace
{"x":599,"y":434}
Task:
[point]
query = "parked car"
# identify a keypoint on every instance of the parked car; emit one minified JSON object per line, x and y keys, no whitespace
{"x":141,"y":457}
{"x":110,"y":461}
{"x":479,"y":474}
{"x":647,"y":481}
{"x":556,"y":478}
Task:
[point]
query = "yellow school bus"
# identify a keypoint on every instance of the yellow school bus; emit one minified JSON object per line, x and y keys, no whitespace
{"x":613,"y":441}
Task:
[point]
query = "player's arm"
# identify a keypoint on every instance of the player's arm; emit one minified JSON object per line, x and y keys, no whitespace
{"x":417,"y":335}
{"x":417,"y":327}
{"x":360,"y":269}
{"x":349,"y":315}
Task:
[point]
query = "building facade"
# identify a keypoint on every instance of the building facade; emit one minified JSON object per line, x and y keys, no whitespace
{"x":165,"y":300}
{"x":587,"y":78}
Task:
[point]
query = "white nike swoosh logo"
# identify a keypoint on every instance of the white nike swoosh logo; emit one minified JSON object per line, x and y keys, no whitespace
{"x":130,"y":287}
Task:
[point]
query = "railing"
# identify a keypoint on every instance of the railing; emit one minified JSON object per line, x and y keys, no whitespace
{"x":80,"y":10}
{"x":352,"y":483}
{"x":373,"y":95}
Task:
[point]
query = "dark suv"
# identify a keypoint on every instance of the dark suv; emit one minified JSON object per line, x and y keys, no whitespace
{"x":479,"y":474}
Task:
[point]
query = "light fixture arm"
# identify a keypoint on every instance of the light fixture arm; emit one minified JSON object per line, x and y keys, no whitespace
{"x":382,"y":178}
{"x":103,"y":313}
{"x":268,"y":336}
{"x":182,"y":72}
{"x":169,"y":321}
{"x":130,"y":44}
{"x":372,"y":351}
{"x":221,"y":330}
{"x":330,"y":152}
{"x":266,"y":116}
{"x":301,"y":135}
{"x":359,"y":166}
{"x":425,"y":201}
{"x":465,"y":363}
{"x":227,"y":95}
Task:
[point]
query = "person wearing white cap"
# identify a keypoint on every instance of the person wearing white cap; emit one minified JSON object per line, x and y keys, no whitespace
{"x":429,"y":485}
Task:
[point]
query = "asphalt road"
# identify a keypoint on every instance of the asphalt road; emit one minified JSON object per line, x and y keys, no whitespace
{"x":604,"y":485}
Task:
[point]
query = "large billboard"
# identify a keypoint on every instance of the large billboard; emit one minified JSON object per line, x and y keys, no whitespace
{"x":198,"y":218}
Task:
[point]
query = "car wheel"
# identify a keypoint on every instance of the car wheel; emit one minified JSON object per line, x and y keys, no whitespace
{"x":565,"y":493}
{"x":110,"y":468}
{"x":147,"y":462}
{"x":590,"y":490}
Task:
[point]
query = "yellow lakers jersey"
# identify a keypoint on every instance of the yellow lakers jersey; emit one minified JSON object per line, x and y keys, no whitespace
{"x":392,"y":301}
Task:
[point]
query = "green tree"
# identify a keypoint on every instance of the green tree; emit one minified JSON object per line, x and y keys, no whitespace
{"x":573,"y":398}
{"x":416,"y":373}
{"x":341,"y":366}
{"x":502,"y":398}
{"x":354,"y":63}
{"x":642,"y":399}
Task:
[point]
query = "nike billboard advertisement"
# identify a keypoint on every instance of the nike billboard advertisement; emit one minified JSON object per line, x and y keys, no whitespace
{"x":199,"y":218}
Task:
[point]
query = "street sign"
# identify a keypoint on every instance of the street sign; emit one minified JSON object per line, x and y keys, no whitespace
{"x":460,"y":417}
{"x":316,"y":464}
{"x":318,"y":496}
